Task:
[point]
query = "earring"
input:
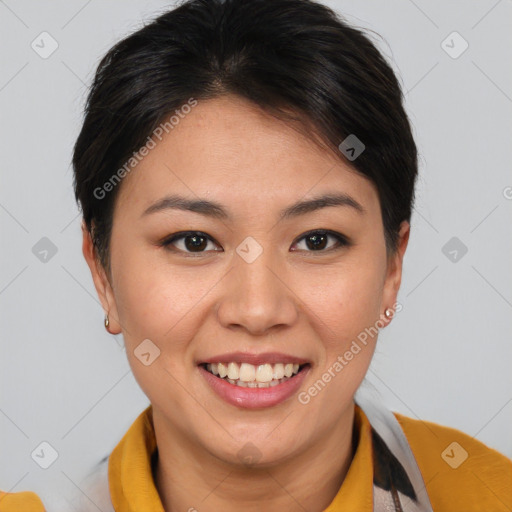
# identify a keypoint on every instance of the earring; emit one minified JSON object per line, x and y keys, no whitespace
{"x":107,"y":323}
{"x":388,"y":313}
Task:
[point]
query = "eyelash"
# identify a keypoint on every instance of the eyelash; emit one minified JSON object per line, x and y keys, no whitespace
{"x":342,"y":241}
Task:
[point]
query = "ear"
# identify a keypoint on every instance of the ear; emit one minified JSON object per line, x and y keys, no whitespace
{"x":394,"y":272}
{"x":101,"y":281}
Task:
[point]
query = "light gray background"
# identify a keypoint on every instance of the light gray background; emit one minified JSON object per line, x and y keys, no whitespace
{"x":446,"y":357}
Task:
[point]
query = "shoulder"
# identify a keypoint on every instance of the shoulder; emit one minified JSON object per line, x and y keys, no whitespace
{"x":16,"y":501}
{"x":460,"y":472}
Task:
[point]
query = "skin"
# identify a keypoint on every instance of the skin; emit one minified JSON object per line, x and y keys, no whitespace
{"x":304,"y":302}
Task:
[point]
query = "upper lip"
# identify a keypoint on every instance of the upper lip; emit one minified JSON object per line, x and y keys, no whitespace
{"x":255,"y":359}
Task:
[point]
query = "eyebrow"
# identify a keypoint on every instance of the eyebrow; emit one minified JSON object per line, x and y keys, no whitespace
{"x":216,"y":210}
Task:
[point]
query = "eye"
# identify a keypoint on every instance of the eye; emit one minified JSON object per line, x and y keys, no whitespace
{"x":197,"y":241}
{"x":317,"y":241}
{"x":188,"y":241}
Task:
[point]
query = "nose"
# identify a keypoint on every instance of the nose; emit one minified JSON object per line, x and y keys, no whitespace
{"x":257,"y":297}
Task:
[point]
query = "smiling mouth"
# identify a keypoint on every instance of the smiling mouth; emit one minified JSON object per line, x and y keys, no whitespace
{"x":251,"y":376}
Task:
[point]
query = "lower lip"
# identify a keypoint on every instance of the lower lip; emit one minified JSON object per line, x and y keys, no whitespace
{"x":254,"y":398}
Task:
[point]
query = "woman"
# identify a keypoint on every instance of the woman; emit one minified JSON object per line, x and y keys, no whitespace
{"x":246,"y":175}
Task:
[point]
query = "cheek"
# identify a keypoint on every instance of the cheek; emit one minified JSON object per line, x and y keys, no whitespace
{"x":155,"y":300}
{"x":346,"y":299}
{"x":157,"y":304}
{"x":346,"y":304}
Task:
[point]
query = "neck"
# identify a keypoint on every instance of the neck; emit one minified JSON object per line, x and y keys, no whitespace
{"x":189,"y":478}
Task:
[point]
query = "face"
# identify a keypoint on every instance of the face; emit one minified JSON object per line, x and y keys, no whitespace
{"x":244,"y":285}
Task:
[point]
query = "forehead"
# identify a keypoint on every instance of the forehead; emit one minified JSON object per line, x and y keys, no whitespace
{"x":229,"y":150}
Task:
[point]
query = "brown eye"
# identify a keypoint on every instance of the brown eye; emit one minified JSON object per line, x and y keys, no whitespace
{"x":191,"y":241}
{"x":317,"y":241}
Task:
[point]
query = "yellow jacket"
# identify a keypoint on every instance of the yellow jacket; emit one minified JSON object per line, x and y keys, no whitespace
{"x":460,"y":473}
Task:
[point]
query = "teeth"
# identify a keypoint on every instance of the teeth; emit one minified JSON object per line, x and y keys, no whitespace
{"x":233,"y":371}
{"x":278,"y":371}
{"x":247,"y":375}
{"x":222,"y":369}
{"x":247,"y":372}
{"x":264,"y":373}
